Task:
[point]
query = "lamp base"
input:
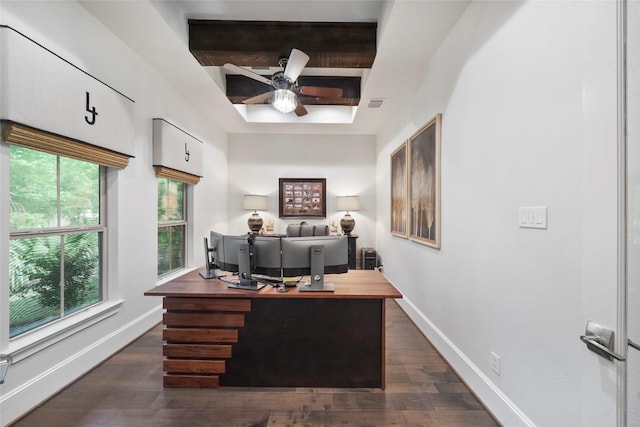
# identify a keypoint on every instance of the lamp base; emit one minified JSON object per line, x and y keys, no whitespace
{"x":347,"y":223}
{"x":255,"y":222}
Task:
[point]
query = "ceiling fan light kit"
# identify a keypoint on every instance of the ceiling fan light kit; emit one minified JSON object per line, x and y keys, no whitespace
{"x":284,"y":97}
{"x":284,"y":100}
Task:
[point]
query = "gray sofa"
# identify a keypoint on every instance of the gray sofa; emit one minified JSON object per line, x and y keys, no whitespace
{"x":306,"y":230}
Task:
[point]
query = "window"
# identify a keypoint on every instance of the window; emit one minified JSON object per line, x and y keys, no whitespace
{"x":57,"y":243}
{"x":172,"y":225}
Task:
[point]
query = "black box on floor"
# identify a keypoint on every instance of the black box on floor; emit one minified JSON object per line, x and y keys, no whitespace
{"x":369,"y":259}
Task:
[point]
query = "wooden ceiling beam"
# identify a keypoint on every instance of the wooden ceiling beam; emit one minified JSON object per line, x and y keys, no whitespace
{"x":263,"y":43}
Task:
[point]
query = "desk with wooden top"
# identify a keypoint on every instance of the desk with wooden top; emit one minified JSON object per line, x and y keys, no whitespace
{"x":219,"y":336}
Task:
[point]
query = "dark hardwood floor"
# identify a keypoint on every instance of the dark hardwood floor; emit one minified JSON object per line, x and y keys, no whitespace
{"x":126,"y":390}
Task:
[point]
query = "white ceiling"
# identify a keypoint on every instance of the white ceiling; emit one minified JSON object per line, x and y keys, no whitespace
{"x":409,"y":32}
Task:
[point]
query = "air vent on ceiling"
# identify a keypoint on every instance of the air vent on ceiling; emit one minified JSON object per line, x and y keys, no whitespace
{"x":375,"y":103}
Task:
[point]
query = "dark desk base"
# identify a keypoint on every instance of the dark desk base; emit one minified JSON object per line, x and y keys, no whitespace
{"x":309,"y":343}
{"x":215,"y":335}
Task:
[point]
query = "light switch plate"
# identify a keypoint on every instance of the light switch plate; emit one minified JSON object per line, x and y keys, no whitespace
{"x":532,"y":217}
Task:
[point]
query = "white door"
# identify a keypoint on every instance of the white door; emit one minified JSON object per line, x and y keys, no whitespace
{"x":633,"y":208}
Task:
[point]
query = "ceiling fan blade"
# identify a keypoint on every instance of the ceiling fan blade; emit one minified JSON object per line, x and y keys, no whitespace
{"x":259,"y":98}
{"x":300,"y":110}
{"x":239,"y":70}
{"x":295,"y":64}
{"x":325,"y":92}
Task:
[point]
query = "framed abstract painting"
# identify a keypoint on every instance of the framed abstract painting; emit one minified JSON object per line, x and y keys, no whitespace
{"x":399,"y":192}
{"x":424,"y":184}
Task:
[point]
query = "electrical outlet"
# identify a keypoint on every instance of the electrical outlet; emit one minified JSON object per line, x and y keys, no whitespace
{"x":495,"y":363}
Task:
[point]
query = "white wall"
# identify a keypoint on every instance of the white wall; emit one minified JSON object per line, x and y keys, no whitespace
{"x":69,"y":30}
{"x":348,"y":163}
{"x":527,"y":93}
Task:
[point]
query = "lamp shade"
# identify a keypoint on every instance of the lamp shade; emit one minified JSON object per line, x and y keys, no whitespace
{"x":253,"y":202}
{"x":348,"y":203}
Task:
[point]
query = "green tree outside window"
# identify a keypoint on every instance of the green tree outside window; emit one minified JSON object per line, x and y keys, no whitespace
{"x":171,"y":226}
{"x":55,"y":249}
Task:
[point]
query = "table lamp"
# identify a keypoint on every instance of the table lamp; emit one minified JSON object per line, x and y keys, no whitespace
{"x":347,"y":203}
{"x":255,"y":203}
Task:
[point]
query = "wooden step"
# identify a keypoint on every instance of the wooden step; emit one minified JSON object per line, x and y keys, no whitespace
{"x":191,"y":381}
{"x":189,"y":366}
{"x":210,"y":351}
{"x":206,"y":304}
{"x":204,"y":319}
{"x":191,"y":335}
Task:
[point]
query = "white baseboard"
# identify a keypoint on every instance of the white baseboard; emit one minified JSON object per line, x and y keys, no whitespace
{"x":503,"y":409}
{"x":29,"y":395}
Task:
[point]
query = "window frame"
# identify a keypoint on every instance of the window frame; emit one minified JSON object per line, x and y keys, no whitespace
{"x":22,"y":346}
{"x":184,"y":222}
{"x":99,"y":228}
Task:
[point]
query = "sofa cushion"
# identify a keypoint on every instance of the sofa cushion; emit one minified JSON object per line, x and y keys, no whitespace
{"x":307,"y":230}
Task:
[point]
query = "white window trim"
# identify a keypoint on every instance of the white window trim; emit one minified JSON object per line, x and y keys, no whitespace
{"x":29,"y":343}
{"x":4,"y":247}
{"x":32,"y":342}
{"x":189,"y":239}
{"x":187,"y":221}
{"x":174,"y":275}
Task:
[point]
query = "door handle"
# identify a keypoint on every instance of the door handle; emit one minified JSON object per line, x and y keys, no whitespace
{"x":600,"y":340}
{"x":596,"y":347}
{"x":633,"y":344}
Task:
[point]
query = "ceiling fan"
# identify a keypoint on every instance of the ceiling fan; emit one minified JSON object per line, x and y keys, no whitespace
{"x":284,"y":96}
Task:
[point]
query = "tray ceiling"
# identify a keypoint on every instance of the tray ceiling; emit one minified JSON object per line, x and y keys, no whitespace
{"x":259,"y":46}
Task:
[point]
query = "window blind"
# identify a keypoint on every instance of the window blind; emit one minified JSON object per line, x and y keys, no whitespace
{"x":187,"y":178}
{"x":37,"y":139}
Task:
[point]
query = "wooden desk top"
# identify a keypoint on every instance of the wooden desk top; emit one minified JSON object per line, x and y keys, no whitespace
{"x":361,"y":284}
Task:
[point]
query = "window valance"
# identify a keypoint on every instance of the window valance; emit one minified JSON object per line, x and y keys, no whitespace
{"x":43,"y":90}
{"x":176,"y":154}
